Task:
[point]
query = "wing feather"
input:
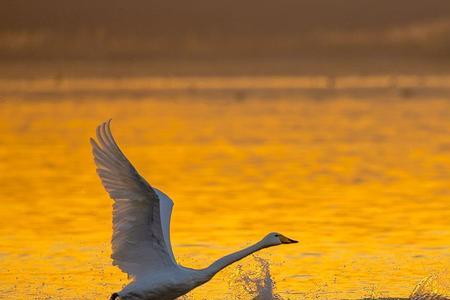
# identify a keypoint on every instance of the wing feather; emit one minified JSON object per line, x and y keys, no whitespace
{"x":139,"y":242}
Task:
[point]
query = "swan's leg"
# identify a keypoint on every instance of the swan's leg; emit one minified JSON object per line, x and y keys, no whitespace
{"x":114,"y":296}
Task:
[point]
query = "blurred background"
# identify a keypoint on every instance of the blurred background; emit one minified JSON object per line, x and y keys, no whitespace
{"x":217,"y":37}
{"x":325,"y":120}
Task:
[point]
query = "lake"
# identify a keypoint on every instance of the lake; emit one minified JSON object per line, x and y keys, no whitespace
{"x":357,"y":169}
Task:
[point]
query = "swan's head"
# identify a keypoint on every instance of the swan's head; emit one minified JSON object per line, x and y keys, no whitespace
{"x":275,"y":238}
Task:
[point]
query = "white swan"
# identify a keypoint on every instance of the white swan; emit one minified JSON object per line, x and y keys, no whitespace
{"x":141,"y":230}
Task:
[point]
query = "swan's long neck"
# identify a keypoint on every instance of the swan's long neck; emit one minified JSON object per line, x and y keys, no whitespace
{"x":225,"y":261}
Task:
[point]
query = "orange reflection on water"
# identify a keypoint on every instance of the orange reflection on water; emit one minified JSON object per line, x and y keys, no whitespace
{"x":363,"y":184}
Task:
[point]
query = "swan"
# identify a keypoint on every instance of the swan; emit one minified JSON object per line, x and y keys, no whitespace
{"x":141,"y":230}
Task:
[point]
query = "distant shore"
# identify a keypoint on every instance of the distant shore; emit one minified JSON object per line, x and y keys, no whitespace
{"x":298,"y":66}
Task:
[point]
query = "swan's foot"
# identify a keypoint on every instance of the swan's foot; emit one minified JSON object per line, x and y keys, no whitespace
{"x":114,"y":296}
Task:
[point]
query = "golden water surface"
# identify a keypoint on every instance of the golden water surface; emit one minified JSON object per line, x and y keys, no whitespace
{"x":364,"y":184}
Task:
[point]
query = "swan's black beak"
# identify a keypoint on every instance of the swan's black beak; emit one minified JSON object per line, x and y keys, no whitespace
{"x":286,"y":240}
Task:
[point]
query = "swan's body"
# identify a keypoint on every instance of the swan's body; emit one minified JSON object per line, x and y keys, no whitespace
{"x":141,"y":244}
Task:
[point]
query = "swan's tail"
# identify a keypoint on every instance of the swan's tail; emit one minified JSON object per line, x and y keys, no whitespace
{"x":114,"y":296}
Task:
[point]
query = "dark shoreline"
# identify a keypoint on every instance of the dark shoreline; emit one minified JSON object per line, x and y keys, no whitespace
{"x":303,"y":66}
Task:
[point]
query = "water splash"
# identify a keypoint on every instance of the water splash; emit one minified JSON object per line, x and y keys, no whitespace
{"x":256,"y":284}
{"x":434,"y":287}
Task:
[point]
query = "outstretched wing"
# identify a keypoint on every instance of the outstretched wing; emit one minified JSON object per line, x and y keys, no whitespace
{"x":140,"y":241}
